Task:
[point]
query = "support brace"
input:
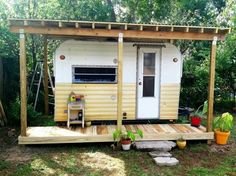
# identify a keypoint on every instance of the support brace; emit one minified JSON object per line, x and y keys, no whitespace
{"x":211,"y":85}
{"x":120,"y":82}
{"x":23,"y":83}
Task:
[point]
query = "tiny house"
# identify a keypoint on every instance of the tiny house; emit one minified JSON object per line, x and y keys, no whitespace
{"x":151,"y":79}
{"x":122,"y":71}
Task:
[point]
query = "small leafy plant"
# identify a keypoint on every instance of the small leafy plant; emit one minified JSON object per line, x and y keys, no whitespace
{"x":223,"y":123}
{"x":118,"y":135}
{"x":199,"y":113}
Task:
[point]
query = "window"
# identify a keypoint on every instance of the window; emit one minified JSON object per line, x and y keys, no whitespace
{"x":94,"y":74}
{"x":149,"y":65}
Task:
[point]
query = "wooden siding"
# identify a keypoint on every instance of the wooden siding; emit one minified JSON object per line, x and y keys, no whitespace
{"x":103,"y":133}
{"x":100,"y":104}
{"x":169,"y":101}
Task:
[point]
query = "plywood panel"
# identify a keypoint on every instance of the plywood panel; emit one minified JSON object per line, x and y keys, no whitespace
{"x":169,"y":101}
{"x":101,"y":100}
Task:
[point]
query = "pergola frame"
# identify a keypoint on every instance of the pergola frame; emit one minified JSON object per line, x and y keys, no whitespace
{"x":119,"y":31}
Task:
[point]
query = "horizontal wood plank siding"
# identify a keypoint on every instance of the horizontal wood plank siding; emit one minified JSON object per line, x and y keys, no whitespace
{"x":100,"y":100}
{"x":169,"y":101}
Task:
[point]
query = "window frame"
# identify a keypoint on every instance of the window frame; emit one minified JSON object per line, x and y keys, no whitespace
{"x":93,"y":66}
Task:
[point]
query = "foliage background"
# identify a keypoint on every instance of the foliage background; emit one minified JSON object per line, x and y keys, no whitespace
{"x":220,"y":13}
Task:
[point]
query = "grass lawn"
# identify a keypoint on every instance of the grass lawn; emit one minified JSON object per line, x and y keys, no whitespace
{"x":99,"y":159}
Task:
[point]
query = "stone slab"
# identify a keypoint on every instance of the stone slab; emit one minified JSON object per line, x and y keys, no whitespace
{"x":166,"y":161}
{"x":164,"y":146}
{"x":159,"y":154}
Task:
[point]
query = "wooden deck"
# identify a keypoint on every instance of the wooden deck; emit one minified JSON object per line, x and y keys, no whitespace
{"x":103,"y":133}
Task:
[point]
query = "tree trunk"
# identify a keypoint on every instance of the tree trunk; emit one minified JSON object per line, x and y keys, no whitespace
{"x":33,"y":50}
{"x":1,"y":79}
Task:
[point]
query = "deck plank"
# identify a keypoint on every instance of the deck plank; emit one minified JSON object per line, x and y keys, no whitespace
{"x":169,"y":128}
{"x":202,"y":128}
{"x":128,"y":128}
{"x":102,"y":130}
{"x":111,"y":129}
{"x":151,"y":128}
{"x":158,"y":128}
{"x":103,"y":133}
{"x":183,"y":130}
{"x":194,"y":129}
{"x":142,"y":128}
{"x":176,"y":129}
{"x":133,"y":129}
{"x":89,"y":130}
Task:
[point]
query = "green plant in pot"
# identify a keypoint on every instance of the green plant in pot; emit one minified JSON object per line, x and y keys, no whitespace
{"x":197,"y":116}
{"x":222,"y":126}
{"x":126,"y":138}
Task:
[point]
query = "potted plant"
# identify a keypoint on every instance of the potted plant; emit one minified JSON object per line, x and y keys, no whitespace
{"x":196,"y":117}
{"x":126,"y":138}
{"x":181,"y":143}
{"x":222,"y":126}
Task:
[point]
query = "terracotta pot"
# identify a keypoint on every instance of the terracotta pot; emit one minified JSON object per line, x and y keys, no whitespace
{"x":126,"y":144}
{"x":196,"y":121}
{"x":221,"y":137}
{"x":181,"y":144}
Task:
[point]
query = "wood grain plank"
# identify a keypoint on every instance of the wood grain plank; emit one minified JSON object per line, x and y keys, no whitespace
{"x":187,"y":130}
{"x":180,"y":128}
{"x":194,"y":129}
{"x":134,"y":129}
{"x":149,"y":128}
{"x":128,"y":128}
{"x":202,"y":128}
{"x":176,"y":129}
{"x":123,"y":128}
{"x":168,"y":128}
{"x":141,"y":128}
{"x":89,"y":130}
{"x":111,"y":129}
{"x":158,"y":128}
{"x":102,"y":130}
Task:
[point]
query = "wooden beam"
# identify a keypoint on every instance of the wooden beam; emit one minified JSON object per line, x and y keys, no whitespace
{"x":120,"y":82}
{"x":76,"y":25}
{"x":211,"y":85}
{"x":45,"y":76}
{"x":23,"y":82}
{"x":135,"y":34}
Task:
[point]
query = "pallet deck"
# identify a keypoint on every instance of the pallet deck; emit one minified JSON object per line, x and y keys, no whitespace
{"x":103,"y":133}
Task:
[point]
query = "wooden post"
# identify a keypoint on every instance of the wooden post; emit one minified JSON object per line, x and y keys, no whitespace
{"x":23,"y":83}
{"x":120,"y":81}
{"x":211,"y":86}
{"x":45,"y":76}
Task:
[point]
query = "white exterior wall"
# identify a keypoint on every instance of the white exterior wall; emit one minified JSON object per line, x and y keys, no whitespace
{"x":171,"y":72}
{"x":92,"y":53}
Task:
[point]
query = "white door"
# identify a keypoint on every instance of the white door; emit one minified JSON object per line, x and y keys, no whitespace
{"x":148,"y":83}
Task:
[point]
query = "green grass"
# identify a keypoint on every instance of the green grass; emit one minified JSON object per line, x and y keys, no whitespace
{"x":226,"y":167}
{"x":4,"y":165}
{"x":100,"y":160}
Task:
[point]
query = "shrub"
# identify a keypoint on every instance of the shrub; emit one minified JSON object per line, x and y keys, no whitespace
{"x":13,"y":113}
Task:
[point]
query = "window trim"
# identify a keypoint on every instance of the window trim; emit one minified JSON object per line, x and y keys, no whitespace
{"x":93,"y":66}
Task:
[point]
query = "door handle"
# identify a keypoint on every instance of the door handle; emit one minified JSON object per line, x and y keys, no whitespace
{"x":140,"y":83}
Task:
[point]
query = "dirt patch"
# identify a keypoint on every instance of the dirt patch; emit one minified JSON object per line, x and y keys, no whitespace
{"x":215,"y":148}
{"x":17,"y":154}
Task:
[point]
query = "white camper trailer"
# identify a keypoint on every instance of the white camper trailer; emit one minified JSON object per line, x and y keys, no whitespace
{"x":151,"y":79}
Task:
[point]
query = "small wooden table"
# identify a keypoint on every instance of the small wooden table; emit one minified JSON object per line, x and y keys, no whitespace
{"x":74,"y":108}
